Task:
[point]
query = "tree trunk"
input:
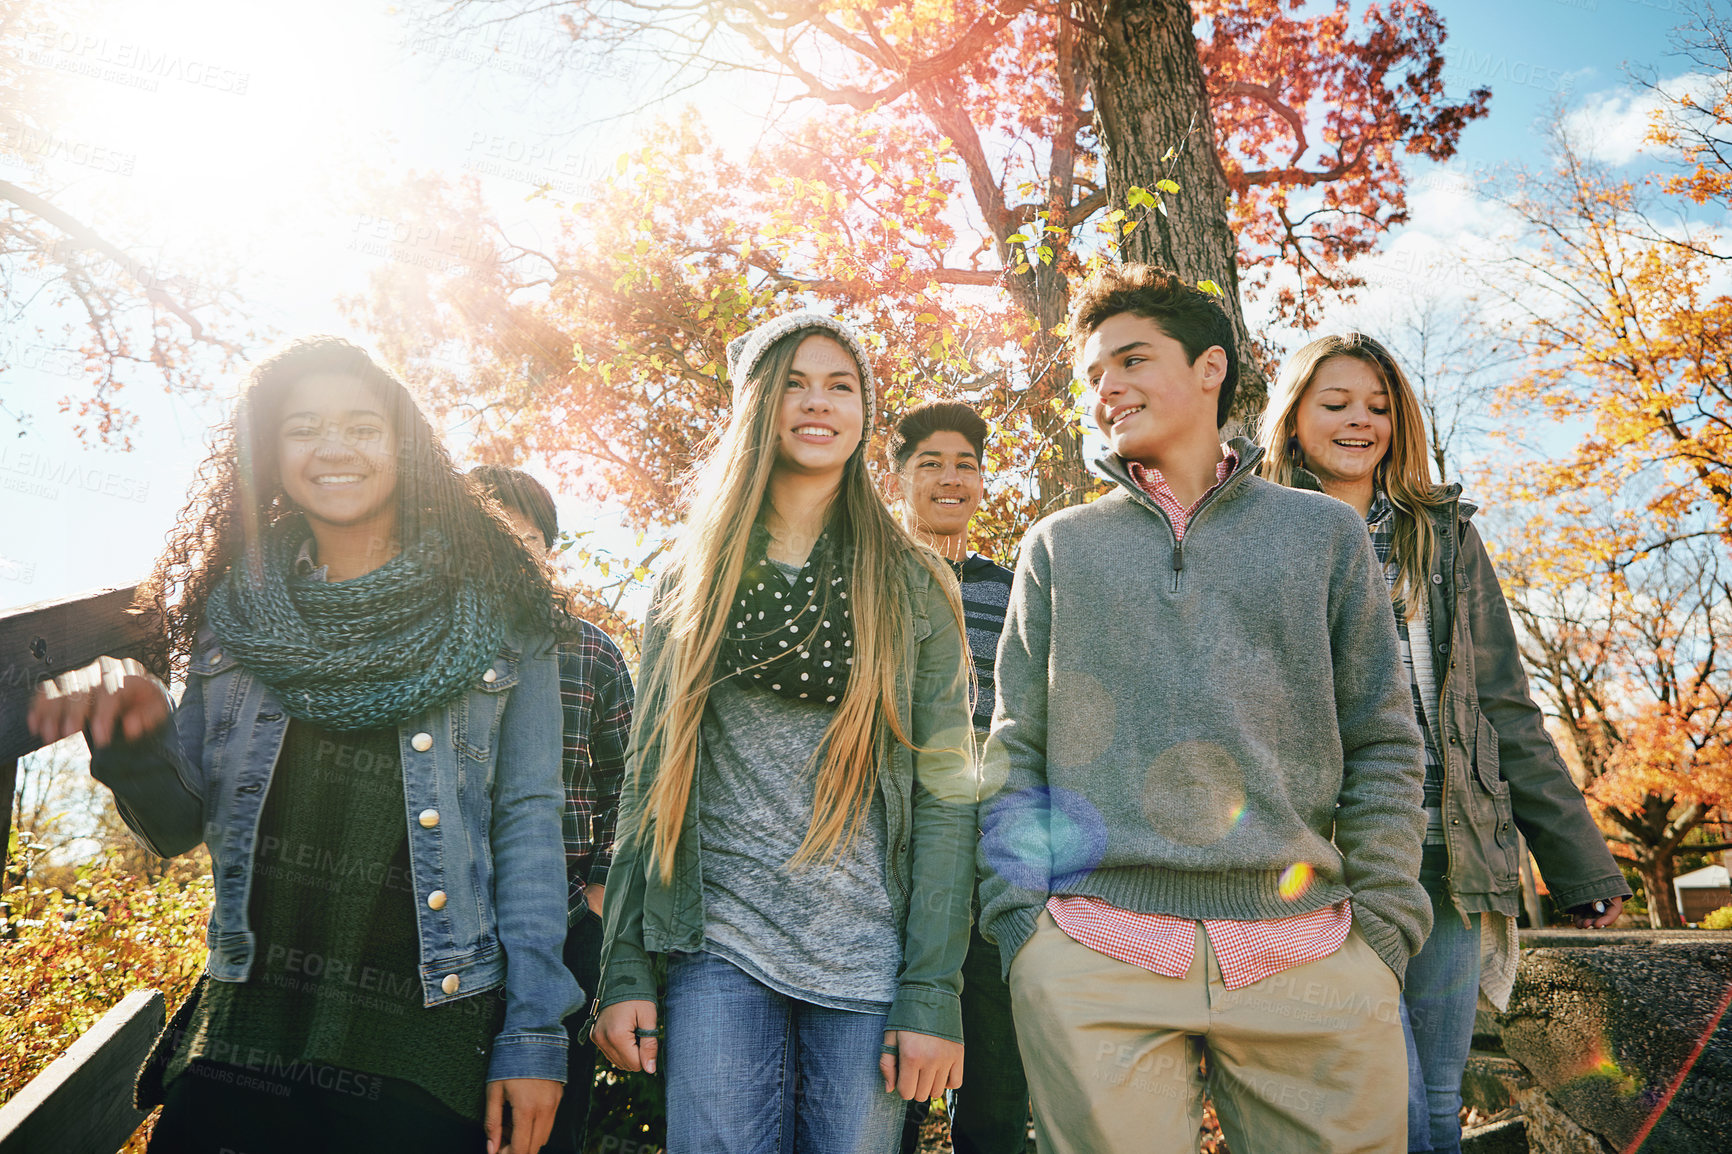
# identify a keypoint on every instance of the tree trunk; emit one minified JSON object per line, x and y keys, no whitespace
{"x":1062,"y":475}
{"x":1041,"y":290}
{"x":1655,"y":867}
{"x":1149,"y":98}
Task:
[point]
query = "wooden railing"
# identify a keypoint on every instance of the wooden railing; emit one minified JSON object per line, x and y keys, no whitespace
{"x":82,"y":1103}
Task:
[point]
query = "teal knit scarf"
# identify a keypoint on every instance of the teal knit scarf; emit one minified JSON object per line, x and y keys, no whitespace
{"x":378,"y":650}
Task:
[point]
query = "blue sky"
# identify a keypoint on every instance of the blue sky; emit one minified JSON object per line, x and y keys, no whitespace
{"x":241,"y":129}
{"x":1532,"y":52}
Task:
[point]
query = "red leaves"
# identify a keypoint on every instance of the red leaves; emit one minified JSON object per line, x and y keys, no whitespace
{"x":1313,"y":121}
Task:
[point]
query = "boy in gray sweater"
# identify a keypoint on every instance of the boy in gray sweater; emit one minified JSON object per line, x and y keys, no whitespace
{"x":1207,"y":836}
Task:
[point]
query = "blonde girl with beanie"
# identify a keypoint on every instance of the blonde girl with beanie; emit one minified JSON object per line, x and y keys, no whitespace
{"x":796,"y":834}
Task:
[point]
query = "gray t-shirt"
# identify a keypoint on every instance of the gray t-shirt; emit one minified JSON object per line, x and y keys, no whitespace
{"x":824,"y":932}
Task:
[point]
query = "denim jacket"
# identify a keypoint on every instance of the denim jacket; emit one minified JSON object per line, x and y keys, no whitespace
{"x":481,"y":787}
{"x":930,"y":794}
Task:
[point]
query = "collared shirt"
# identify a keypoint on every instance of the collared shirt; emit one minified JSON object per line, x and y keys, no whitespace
{"x":1247,"y":952}
{"x":595,"y":697}
{"x":1151,"y":482}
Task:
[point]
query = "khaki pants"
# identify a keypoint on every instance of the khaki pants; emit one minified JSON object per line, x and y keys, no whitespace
{"x":1311,"y":1059}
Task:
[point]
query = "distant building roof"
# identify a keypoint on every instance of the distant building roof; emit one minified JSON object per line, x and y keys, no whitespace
{"x":1706,"y":878}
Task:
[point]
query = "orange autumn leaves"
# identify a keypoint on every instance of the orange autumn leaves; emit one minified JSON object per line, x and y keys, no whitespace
{"x":1618,"y":298}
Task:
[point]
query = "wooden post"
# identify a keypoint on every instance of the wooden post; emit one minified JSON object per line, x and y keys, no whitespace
{"x":8,"y":786}
{"x":82,"y":1103}
{"x":45,"y":640}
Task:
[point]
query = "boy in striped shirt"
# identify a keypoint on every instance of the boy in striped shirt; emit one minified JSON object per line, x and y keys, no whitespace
{"x":939,"y":452}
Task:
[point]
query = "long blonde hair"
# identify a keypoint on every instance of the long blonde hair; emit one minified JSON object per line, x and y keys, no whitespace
{"x":1405,"y":471}
{"x":724,"y":494}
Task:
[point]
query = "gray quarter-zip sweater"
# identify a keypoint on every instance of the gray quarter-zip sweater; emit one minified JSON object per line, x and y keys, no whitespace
{"x":1218,"y":729}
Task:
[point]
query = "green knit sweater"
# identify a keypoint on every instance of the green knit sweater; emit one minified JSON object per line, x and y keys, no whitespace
{"x":335,"y":991}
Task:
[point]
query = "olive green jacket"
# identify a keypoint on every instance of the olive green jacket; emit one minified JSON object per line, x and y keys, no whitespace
{"x":1501,"y":772}
{"x":929,"y":792}
{"x":1499,"y":764}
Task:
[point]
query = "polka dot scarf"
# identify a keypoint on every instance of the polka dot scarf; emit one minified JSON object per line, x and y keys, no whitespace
{"x":793,"y":639}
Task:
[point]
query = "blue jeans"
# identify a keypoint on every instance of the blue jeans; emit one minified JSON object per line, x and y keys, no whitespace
{"x":753,"y":1071}
{"x":1437,"y":1018}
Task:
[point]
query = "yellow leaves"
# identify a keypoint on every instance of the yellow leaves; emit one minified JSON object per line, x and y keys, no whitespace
{"x":71,"y":956}
{"x":1626,"y":337}
{"x":1211,"y":288}
{"x":1138,"y":197}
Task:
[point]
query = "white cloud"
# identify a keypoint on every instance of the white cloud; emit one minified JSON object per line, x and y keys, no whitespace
{"x":1611,"y":125}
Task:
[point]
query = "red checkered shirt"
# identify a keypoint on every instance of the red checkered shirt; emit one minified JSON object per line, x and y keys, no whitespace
{"x":1151,"y":482}
{"x":1247,"y":952}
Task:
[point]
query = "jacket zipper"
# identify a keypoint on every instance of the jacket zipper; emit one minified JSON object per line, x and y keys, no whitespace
{"x":1196,"y":515}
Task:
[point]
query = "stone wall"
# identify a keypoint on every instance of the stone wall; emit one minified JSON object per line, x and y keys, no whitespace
{"x":1612,"y":1038}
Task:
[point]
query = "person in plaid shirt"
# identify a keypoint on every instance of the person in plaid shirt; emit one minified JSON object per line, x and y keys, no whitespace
{"x":595,"y":695}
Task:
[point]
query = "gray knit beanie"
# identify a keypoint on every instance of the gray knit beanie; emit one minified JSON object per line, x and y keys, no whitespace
{"x":745,"y":351}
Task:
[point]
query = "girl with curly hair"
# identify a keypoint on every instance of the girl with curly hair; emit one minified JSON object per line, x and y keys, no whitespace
{"x":368,"y":741}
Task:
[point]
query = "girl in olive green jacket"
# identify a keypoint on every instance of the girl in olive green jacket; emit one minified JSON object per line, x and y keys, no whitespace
{"x":1343,"y":418}
{"x":797,"y":831}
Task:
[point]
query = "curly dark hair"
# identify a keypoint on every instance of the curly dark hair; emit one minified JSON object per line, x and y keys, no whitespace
{"x":1184,"y":312}
{"x":237,"y":495}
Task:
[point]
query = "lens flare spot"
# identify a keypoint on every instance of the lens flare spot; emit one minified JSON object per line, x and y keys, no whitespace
{"x":1295,"y":880}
